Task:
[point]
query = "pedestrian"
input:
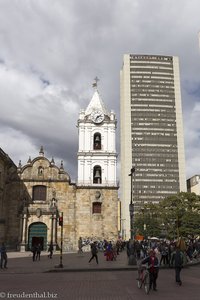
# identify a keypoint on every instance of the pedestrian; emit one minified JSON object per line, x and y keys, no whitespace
{"x":38,"y":251}
{"x":109,"y":251}
{"x":50,"y":250}
{"x":4,"y":258}
{"x":177,"y":261}
{"x":34,"y":250}
{"x":153,"y":266}
{"x":164,"y":254}
{"x":118,"y":246}
{"x":94,"y":252}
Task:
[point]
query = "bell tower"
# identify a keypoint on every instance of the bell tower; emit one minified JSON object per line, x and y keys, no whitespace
{"x":97,"y":157}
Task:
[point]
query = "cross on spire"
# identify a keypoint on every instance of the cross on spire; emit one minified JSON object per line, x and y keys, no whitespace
{"x":96,"y":79}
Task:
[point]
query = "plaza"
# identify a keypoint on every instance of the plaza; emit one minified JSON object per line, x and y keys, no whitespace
{"x":80,"y":280}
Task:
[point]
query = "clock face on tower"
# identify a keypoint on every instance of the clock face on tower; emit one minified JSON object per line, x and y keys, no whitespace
{"x":97,"y":116}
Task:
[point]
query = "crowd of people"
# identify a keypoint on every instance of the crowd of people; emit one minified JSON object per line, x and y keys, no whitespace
{"x":165,"y":248}
{"x":154,"y":253}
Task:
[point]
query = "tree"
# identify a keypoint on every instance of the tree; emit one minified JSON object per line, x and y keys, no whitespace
{"x":175,"y":216}
{"x":147,"y":221}
{"x":181,"y":214}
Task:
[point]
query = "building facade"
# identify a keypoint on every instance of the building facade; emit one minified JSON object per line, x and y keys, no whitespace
{"x":40,"y":192}
{"x":97,"y":157}
{"x":9,"y":205}
{"x":193,"y":184}
{"x":97,"y":187}
{"x":151,"y":130}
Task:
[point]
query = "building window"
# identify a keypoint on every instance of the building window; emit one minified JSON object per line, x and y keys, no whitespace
{"x":97,"y":175}
{"x":39,"y":193}
{"x":96,"y":207}
{"x":97,"y":141}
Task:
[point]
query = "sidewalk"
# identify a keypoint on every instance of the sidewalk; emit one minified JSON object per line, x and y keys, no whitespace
{"x":21,"y":263}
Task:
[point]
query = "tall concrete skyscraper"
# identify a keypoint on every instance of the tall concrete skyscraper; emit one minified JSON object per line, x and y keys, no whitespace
{"x":151,"y":131}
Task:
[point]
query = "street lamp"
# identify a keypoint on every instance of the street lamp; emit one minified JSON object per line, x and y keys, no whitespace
{"x":131,"y":205}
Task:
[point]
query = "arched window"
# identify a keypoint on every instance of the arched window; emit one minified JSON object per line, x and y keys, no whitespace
{"x":97,"y":141}
{"x":97,"y":175}
{"x":39,"y":193}
{"x":96,"y":207}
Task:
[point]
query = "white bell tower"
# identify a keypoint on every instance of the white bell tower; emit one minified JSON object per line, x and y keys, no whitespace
{"x":97,"y":157}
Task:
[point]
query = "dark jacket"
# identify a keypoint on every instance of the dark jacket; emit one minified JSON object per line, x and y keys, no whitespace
{"x":3,"y":252}
{"x":177,"y":259}
{"x":94,"y":249}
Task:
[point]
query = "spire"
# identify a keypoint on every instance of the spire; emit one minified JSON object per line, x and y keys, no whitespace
{"x":52,"y":162}
{"x":41,"y":153}
{"x":96,"y":102}
{"x":19,"y":168}
{"x":20,"y":165}
{"x":29,"y":160}
{"x":61,"y":170}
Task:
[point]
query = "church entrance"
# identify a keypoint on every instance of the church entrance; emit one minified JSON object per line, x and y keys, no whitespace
{"x":37,"y":234}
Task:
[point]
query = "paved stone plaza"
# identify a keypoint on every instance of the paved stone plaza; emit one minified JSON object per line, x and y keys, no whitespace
{"x":25,"y":279}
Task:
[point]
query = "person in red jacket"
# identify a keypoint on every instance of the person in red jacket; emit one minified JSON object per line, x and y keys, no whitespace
{"x":153,"y":266}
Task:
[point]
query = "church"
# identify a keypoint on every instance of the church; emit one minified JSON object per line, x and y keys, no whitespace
{"x":41,"y":205}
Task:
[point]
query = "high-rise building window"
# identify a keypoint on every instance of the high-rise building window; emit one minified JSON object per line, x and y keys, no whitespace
{"x":151,"y":132}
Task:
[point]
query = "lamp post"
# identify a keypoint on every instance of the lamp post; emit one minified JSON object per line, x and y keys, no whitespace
{"x":131,"y":205}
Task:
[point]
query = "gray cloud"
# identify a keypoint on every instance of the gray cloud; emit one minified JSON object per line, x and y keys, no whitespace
{"x":51,"y":50}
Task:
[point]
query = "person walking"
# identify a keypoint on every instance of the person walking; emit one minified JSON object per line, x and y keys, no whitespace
{"x":164,"y":254}
{"x":50,"y":250}
{"x":38,"y":251}
{"x":94,"y":252}
{"x":153,"y":266}
{"x":4,"y":258}
{"x":34,"y":250}
{"x":177,"y":262}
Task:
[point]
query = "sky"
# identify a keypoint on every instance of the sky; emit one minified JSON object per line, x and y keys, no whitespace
{"x":51,"y":51}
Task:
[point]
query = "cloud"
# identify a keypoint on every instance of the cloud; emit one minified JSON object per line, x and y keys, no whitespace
{"x":36,"y":113}
{"x":51,"y":50}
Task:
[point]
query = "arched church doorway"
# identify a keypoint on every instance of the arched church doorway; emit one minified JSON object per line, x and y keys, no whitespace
{"x":37,"y":234}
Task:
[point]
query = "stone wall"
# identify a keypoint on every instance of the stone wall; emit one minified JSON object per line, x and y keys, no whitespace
{"x":20,"y":211}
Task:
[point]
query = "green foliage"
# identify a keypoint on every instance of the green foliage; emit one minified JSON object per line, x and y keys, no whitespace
{"x":177,"y":215}
{"x":147,"y":221}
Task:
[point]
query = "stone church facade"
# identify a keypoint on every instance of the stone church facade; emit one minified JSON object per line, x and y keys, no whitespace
{"x":40,"y":194}
{"x":9,"y":203}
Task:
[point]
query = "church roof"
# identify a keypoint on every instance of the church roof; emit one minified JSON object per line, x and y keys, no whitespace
{"x":96,"y":103}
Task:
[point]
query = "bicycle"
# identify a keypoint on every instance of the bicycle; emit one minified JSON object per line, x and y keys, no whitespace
{"x":143,"y":278}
